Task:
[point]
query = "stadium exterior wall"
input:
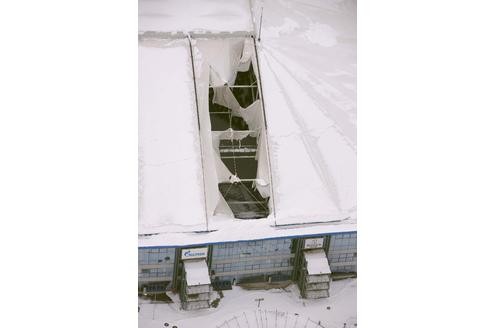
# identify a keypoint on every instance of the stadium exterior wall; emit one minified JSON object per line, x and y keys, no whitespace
{"x":261,"y":260}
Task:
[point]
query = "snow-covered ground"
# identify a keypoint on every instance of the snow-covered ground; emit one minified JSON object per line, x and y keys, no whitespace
{"x":279,"y":308}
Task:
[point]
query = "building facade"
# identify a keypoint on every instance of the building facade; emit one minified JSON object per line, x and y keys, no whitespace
{"x":256,"y":261}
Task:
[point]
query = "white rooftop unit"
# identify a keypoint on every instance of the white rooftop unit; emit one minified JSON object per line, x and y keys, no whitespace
{"x":196,"y":272}
{"x":196,"y":287}
{"x":316,"y":262}
{"x":316,"y":274}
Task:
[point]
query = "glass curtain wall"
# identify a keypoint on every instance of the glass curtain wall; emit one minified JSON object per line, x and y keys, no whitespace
{"x":156,"y":263}
{"x":342,"y":253}
{"x":252,"y":260}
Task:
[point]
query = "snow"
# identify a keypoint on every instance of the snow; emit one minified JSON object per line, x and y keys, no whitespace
{"x":194,"y":15}
{"x":317,"y":262}
{"x":170,"y":174}
{"x":307,"y":58}
{"x":321,"y":34}
{"x":244,"y":230}
{"x":196,"y":272}
{"x":308,"y":70}
{"x":239,"y":308}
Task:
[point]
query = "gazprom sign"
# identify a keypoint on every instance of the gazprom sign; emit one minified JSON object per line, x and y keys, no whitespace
{"x":194,"y":253}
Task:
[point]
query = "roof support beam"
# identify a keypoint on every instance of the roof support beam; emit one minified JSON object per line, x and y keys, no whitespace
{"x":193,"y":35}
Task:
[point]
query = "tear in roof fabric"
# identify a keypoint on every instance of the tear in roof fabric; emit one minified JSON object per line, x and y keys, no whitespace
{"x":312,"y":164}
{"x":217,"y":62}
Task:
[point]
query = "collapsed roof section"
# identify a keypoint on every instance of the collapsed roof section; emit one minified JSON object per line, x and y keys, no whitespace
{"x":234,"y":159}
{"x":171,"y":196}
{"x":194,"y":15}
{"x":313,"y":167}
{"x":233,"y":131}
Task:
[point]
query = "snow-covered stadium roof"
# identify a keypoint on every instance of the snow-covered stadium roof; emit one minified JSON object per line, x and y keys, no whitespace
{"x":170,"y":193}
{"x":307,"y":59}
{"x":194,"y":15}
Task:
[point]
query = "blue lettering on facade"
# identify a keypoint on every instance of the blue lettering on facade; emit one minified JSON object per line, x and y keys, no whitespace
{"x":191,"y":254}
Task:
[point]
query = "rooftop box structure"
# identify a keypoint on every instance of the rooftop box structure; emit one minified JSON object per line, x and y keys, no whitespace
{"x":196,"y":272}
{"x":316,"y":262}
{"x":315,"y":276}
{"x":195,"y":286}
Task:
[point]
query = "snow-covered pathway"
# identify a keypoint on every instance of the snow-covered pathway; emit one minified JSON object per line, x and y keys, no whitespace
{"x":279,"y":308}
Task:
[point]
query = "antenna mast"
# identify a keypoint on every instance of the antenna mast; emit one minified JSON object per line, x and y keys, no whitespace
{"x":261,"y":21}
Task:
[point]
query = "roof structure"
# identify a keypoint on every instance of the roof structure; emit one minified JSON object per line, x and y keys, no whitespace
{"x":196,"y":272}
{"x":308,"y":64}
{"x":307,"y":61}
{"x":317,"y":262}
{"x":170,"y":179}
{"x":194,"y":15}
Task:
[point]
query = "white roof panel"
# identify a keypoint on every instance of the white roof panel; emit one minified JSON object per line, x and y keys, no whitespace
{"x":170,"y":175}
{"x":308,"y":70}
{"x":317,"y":262}
{"x":196,"y":272}
{"x":194,"y":15}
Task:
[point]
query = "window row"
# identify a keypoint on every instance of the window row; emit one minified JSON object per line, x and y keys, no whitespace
{"x":343,"y":257}
{"x":285,"y":274}
{"x":162,"y":250}
{"x":157,"y":272}
{"x":348,"y":248}
{"x":349,"y":241}
{"x":352,"y":235}
{"x":343,"y":268}
{"x":247,"y":266}
{"x":343,"y":244}
{"x":155,"y":258}
{"x":246,"y":251}
{"x":254,"y":243}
